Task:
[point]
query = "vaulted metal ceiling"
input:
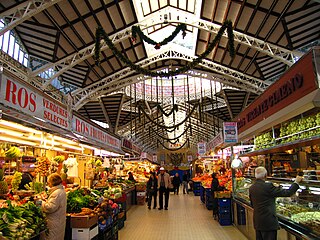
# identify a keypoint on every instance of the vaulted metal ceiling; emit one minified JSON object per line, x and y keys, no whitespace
{"x":60,"y":34}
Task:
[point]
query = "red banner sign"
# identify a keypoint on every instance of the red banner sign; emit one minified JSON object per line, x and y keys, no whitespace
{"x":30,"y":101}
{"x":297,"y":82}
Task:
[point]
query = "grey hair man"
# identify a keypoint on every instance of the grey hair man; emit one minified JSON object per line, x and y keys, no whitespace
{"x":262,"y":196}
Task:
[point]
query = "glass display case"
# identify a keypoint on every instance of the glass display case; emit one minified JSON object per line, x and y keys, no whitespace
{"x":299,"y":215}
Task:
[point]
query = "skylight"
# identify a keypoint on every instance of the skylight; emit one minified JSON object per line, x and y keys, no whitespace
{"x":158,"y":22}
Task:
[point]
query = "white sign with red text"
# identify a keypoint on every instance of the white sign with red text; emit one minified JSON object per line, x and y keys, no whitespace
{"x":91,"y":132}
{"x":31,"y":102}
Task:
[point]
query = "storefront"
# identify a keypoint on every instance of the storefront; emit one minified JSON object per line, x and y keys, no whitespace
{"x":284,"y":124}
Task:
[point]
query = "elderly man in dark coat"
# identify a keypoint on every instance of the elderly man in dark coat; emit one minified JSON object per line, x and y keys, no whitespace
{"x":262,"y":197}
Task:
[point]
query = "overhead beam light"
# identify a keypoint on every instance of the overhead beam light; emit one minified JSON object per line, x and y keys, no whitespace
{"x":11,"y":133}
{"x":65,"y":140}
{"x":15,"y":140}
{"x":87,"y":146}
{"x":72,"y":147}
{"x":19,"y":127}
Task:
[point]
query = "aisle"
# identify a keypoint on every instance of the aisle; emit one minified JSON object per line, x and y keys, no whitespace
{"x":186,"y":219}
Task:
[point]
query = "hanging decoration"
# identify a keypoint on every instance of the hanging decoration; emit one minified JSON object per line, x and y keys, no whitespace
{"x":174,"y":149}
{"x":136,"y":30}
{"x":168,"y":127}
{"x":101,"y":34}
{"x":170,"y":139}
{"x":174,"y":108}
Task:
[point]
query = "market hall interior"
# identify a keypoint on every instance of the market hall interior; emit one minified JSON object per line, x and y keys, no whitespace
{"x":187,"y":218}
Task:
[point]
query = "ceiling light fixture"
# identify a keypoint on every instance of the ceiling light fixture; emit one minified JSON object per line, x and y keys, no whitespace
{"x":65,"y":140}
{"x":11,"y":133}
{"x":72,"y":147}
{"x":15,"y":140}
{"x":19,"y":127}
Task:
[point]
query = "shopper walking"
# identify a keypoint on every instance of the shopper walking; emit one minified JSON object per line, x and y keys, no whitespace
{"x":55,"y":208}
{"x":214,"y":188}
{"x":262,"y":196}
{"x":185,"y":180}
{"x":176,"y":181}
{"x":163,"y":186}
{"x":152,"y":188}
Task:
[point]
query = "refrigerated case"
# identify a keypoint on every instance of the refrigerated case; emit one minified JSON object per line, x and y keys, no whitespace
{"x":299,"y":215}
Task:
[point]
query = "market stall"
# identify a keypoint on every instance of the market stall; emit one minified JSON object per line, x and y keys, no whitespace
{"x":284,"y":125}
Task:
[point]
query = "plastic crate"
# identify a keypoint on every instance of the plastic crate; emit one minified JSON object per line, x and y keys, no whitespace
{"x":105,"y":235}
{"x":224,"y":209}
{"x":224,"y":215}
{"x":196,"y":193}
{"x":225,"y":222}
{"x":223,"y":202}
{"x":115,"y":236}
{"x":120,"y":224}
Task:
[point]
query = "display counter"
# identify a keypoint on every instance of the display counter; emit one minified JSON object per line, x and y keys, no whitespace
{"x":131,"y":197}
{"x":299,"y":215}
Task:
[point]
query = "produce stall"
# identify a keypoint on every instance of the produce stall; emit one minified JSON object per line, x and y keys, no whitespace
{"x":285,"y":126}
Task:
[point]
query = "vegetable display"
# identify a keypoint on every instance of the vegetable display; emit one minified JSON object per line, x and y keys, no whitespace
{"x":16,"y":180}
{"x":78,"y":199}
{"x":21,"y":222}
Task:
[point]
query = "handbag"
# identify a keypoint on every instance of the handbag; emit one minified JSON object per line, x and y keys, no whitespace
{"x":170,"y":186}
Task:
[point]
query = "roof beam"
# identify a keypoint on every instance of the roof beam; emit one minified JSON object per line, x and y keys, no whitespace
{"x":106,"y":116}
{"x":281,"y":54}
{"x":115,"y":81}
{"x":119,"y":112}
{"x":18,"y":14}
{"x":245,"y":102}
{"x":227,"y":102}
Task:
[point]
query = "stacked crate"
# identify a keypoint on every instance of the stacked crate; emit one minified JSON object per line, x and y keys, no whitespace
{"x":224,"y":211}
{"x":141,"y":194}
{"x":196,"y":188}
{"x":208,"y":199}
{"x":202,"y":194}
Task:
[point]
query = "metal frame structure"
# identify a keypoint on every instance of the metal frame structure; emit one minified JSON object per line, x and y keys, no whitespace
{"x":16,"y":15}
{"x":117,"y":81}
{"x":281,"y":54}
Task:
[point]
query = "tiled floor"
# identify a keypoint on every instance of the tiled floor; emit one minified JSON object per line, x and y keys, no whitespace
{"x":186,"y":219}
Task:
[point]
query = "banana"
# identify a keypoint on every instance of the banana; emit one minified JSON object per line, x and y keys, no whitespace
{"x":13,"y":152}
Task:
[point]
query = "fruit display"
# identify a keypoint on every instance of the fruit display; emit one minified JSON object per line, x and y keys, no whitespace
{"x":3,"y":183}
{"x":310,"y":220}
{"x":305,"y":216}
{"x":21,"y":222}
{"x":263,"y":141}
{"x":105,"y":211}
{"x":16,"y":180}
{"x":43,"y":166}
{"x":59,"y":158}
{"x":113,"y":193}
{"x":289,"y":210}
{"x":13,"y":153}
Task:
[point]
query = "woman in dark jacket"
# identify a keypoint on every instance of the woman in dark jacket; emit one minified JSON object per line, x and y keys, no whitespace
{"x":152,"y":188}
{"x":215,"y":187}
{"x":176,"y":181}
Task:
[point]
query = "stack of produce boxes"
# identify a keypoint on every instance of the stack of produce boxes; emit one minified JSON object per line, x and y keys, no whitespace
{"x":141,"y":193}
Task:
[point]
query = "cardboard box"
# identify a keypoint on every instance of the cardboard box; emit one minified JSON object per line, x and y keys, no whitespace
{"x":141,"y":200}
{"x":85,"y":233}
{"x":222,"y":194}
{"x":83,"y":221}
{"x":141,"y":194}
